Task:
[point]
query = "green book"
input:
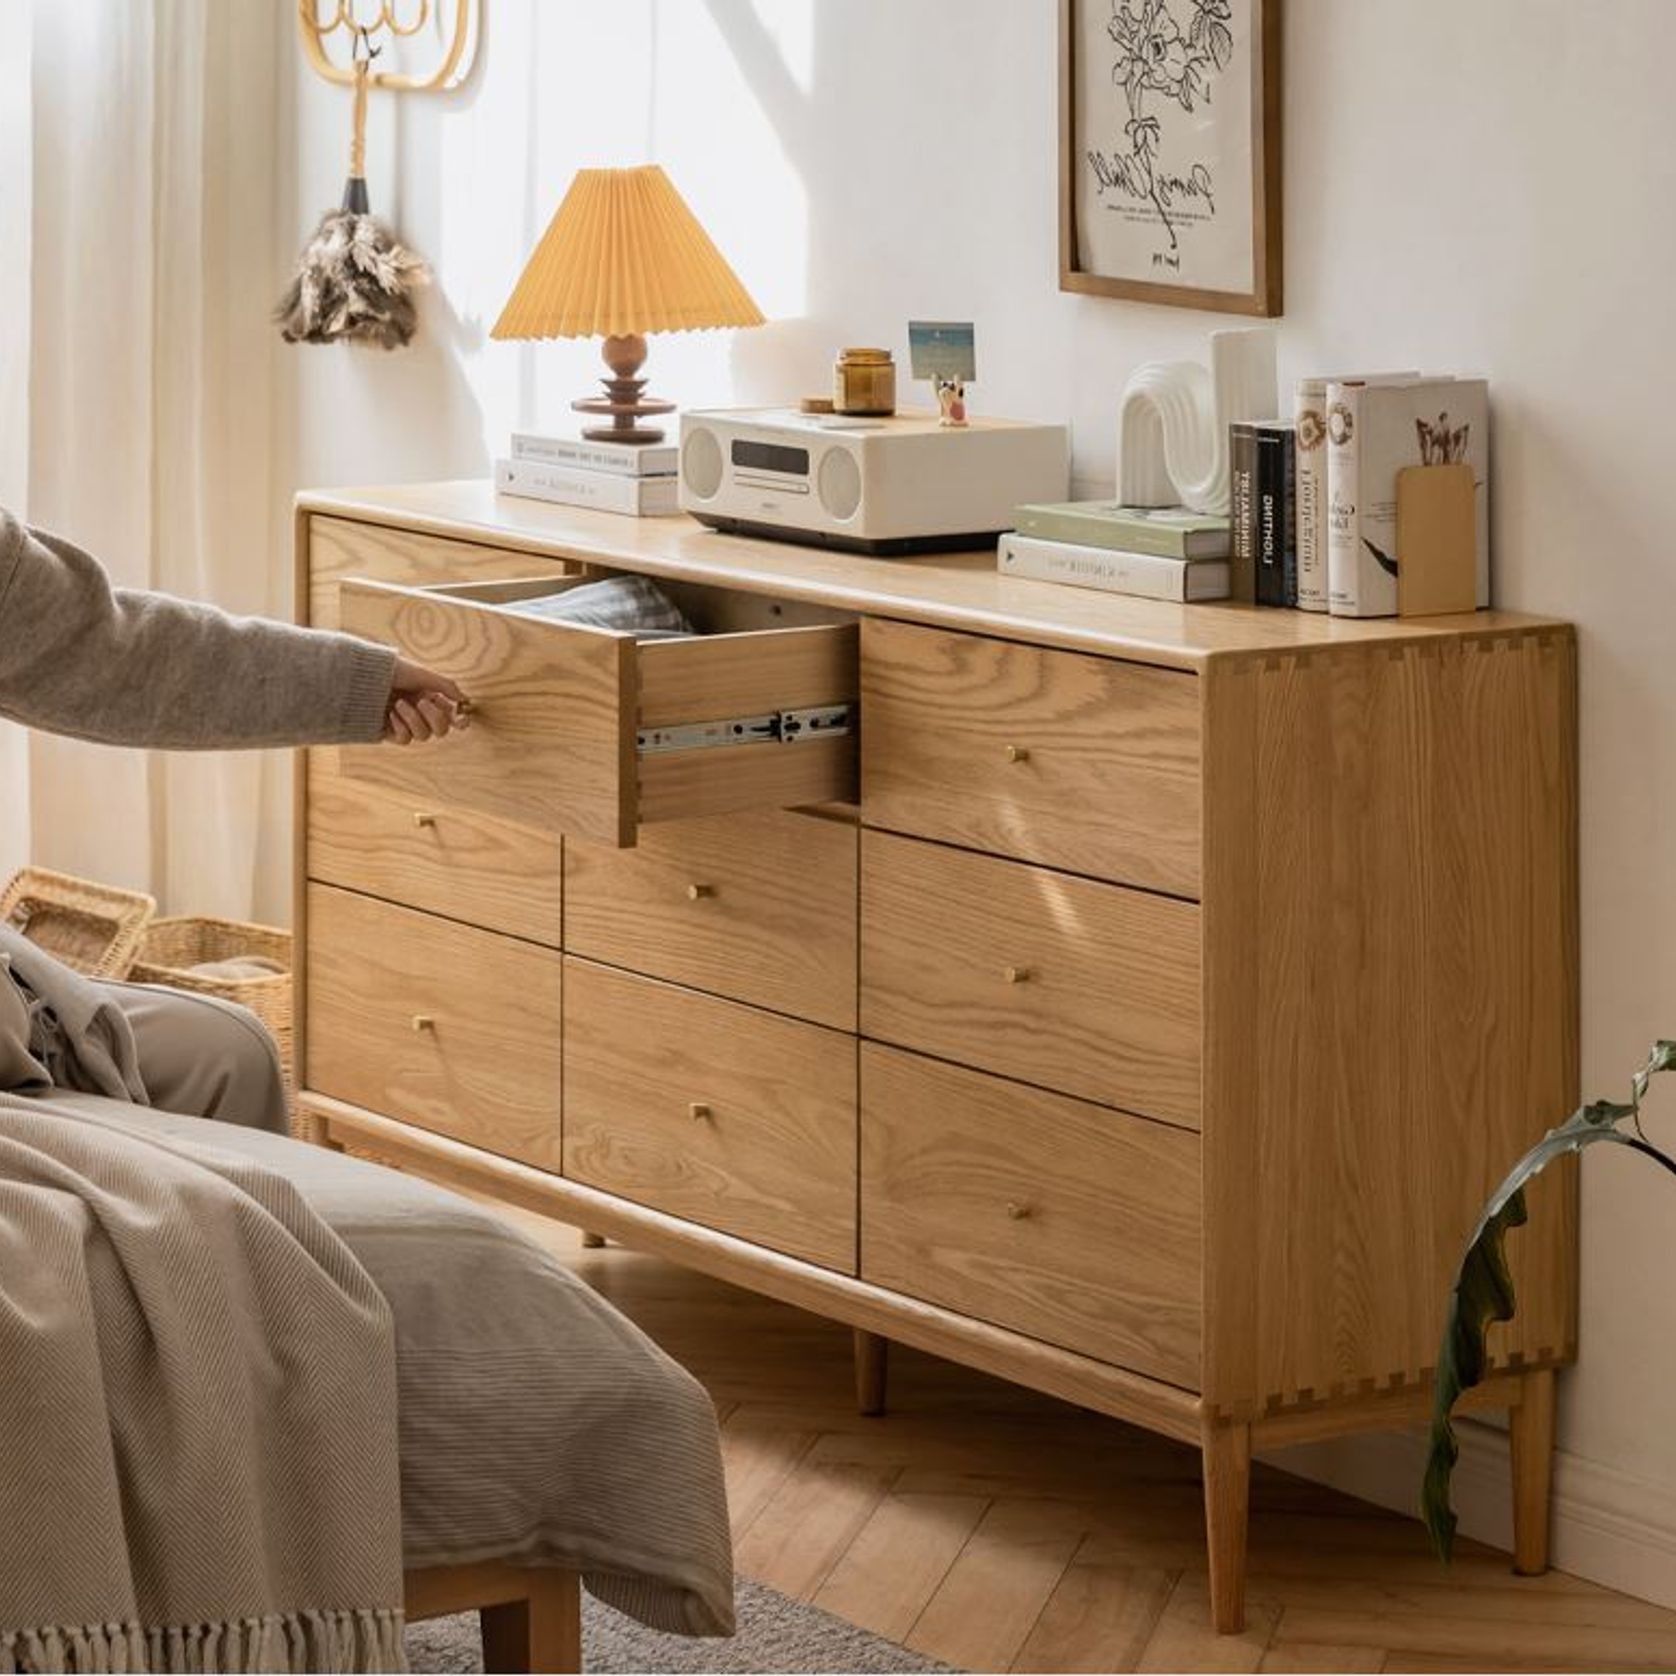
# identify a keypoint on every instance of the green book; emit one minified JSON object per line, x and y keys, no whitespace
{"x":1169,"y":532}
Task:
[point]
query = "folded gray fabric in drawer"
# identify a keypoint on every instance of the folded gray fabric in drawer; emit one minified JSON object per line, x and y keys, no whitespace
{"x":631,"y":604}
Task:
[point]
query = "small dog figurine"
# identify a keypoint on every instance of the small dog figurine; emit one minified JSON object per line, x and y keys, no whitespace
{"x":951,"y":402}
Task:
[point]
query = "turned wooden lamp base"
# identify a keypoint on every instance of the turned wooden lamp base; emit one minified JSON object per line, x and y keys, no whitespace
{"x":623,"y":400}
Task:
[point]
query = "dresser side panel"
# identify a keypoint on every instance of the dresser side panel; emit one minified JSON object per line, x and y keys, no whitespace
{"x":1390,"y":1001}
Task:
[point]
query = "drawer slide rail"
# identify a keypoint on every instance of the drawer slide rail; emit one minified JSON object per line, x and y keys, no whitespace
{"x":777,"y":727}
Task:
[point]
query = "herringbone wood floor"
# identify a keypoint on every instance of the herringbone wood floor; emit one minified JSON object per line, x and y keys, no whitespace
{"x":1000,"y":1530}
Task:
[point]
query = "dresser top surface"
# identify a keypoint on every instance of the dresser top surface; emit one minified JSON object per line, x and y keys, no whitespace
{"x":949,"y":590}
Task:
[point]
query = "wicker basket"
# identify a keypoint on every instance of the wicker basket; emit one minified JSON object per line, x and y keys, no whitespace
{"x":94,"y":928}
{"x":171,"y":948}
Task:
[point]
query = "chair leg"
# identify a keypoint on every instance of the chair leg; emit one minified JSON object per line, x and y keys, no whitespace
{"x":592,"y":1242}
{"x":872,"y":1357}
{"x":1227,"y":1471}
{"x":1531,"y":1427}
{"x":540,"y":1633}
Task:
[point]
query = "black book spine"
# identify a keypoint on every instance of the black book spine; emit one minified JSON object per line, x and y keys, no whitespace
{"x":1276,"y":516}
{"x":1242,"y":511}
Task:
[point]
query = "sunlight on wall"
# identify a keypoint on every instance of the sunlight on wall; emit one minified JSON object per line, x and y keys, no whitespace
{"x":600,"y":85}
{"x":723,"y":151}
{"x":792,"y":25}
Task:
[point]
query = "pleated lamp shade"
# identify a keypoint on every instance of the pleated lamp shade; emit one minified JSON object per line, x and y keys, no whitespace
{"x":622,"y":257}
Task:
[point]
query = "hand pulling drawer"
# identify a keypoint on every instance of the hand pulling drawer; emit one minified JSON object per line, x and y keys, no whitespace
{"x":589,"y":732}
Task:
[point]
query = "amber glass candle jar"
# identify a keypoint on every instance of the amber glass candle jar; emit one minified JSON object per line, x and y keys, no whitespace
{"x":864,"y":381}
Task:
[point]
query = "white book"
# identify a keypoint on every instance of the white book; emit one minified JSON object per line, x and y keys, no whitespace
{"x":1373,"y":431}
{"x":1146,"y":575}
{"x":1310,"y":479}
{"x":640,"y":497}
{"x":652,"y":460}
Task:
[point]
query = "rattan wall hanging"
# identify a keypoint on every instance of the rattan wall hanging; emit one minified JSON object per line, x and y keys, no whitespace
{"x":355,"y":283}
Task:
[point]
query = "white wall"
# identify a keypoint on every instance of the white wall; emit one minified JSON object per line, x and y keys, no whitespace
{"x":1483,"y":186}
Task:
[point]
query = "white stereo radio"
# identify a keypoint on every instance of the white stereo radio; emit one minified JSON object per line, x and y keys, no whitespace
{"x":899,"y":485}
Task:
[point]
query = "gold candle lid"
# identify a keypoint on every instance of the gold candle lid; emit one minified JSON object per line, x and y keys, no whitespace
{"x":866,"y":356}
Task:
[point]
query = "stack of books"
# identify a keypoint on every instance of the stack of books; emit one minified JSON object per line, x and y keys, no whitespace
{"x":1157,"y":552}
{"x":1314,"y":497}
{"x":609,"y":476}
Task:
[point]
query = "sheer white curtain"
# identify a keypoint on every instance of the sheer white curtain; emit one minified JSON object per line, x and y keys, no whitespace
{"x":137,"y":169}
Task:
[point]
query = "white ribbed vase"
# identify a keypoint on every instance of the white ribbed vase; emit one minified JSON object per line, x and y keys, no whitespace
{"x":1172,"y":427}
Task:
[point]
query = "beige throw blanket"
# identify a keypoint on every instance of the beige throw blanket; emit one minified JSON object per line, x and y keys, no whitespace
{"x":198,"y":1407}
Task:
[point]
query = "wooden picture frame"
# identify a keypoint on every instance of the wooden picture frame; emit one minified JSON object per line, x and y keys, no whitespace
{"x":1175,"y":51}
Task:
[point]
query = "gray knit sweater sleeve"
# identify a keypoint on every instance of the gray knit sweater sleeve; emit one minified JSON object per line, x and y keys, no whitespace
{"x":80,"y":657}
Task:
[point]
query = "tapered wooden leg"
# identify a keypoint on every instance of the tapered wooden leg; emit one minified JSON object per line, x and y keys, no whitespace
{"x":540,"y":1633}
{"x":592,"y":1242}
{"x":871,"y":1361}
{"x":1227,"y":1470}
{"x":1532,"y":1437}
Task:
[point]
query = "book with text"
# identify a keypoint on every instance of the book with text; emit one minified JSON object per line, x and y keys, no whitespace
{"x":1374,"y":430}
{"x":1242,"y":509}
{"x":623,"y":458}
{"x":1274,"y":535}
{"x":640,"y":497}
{"x":1171,"y":532}
{"x":1145,"y":575}
{"x":1310,"y":481}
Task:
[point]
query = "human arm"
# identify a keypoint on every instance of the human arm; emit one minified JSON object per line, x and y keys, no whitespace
{"x":81,"y":657}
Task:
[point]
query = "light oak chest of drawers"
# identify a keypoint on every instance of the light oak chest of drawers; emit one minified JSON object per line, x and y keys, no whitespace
{"x":1129,"y":999}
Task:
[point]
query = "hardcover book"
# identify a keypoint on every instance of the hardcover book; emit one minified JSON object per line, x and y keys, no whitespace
{"x":1171,"y":532}
{"x":1145,"y":575}
{"x":1275,"y":525}
{"x":654,"y":460}
{"x":1310,"y":478}
{"x":1374,"y":430}
{"x":1242,"y":507}
{"x":639,"y":497}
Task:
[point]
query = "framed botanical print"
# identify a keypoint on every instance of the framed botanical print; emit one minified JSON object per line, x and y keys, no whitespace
{"x":1169,"y":132}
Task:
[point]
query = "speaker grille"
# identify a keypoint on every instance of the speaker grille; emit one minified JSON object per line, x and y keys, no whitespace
{"x":701,"y":464}
{"x":839,"y":483}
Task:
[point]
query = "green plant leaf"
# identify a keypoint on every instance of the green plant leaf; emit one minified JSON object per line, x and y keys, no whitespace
{"x":1662,"y":1058}
{"x":1483,"y":1289}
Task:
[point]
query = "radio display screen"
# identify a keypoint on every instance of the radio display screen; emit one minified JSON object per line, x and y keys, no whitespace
{"x":770,"y":456}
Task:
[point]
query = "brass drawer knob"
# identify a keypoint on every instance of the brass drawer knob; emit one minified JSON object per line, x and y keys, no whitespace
{"x":423,"y":1021}
{"x":1017,"y":1212}
{"x":1017,"y":974}
{"x":697,"y":892}
{"x":422,"y":819}
{"x":1018,"y":753}
{"x":698,"y":1111}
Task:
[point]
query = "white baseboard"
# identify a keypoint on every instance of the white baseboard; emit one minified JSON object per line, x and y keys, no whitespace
{"x":1609,"y":1527}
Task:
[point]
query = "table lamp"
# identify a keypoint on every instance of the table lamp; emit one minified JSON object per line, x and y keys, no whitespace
{"x":622,"y":257}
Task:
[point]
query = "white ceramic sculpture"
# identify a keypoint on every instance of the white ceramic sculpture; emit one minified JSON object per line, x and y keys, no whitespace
{"x":1172,"y":429}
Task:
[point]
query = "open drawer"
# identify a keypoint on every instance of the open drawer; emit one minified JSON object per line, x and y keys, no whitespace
{"x":590,"y":732}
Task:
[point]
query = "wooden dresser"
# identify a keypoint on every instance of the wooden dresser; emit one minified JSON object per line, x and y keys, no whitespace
{"x":1138,"y":1005}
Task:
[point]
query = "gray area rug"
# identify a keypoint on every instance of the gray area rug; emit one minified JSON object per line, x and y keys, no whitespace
{"x":776,"y":1633}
